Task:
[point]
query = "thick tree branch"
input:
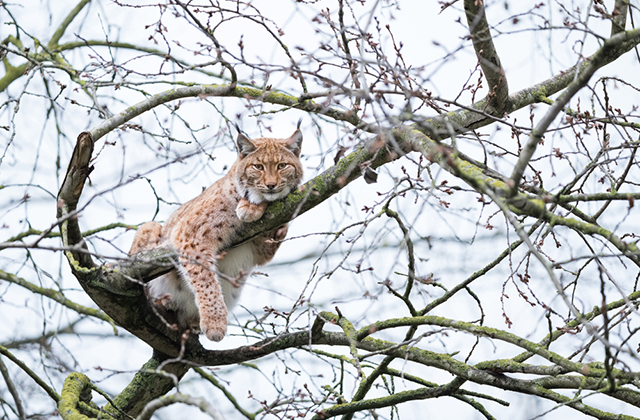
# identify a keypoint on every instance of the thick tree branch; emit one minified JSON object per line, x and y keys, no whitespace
{"x":487,"y":55}
{"x":154,"y":379}
{"x":619,"y":16}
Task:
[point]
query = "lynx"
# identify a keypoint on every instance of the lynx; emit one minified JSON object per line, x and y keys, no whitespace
{"x":209,"y":275}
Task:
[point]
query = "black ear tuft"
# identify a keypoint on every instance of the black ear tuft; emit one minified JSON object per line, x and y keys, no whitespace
{"x":294,"y":143}
{"x":245,"y":146}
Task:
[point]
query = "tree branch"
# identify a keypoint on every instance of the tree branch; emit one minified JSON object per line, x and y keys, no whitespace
{"x":53,"y":42}
{"x":12,"y":390}
{"x":596,"y":61}
{"x":487,"y":55}
{"x":58,"y":297}
{"x":50,"y":391}
{"x":166,"y":401}
{"x":154,"y":379}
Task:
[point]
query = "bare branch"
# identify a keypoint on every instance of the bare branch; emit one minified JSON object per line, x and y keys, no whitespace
{"x":158,"y":403}
{"x":487,"y":55}
{"x":595,"y":62}
{"x":12,"y":390}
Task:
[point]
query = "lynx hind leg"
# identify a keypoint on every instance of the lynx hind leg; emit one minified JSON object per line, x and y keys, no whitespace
{"x":209,"y":299}
{"x":170,"y":293}
{"x":250,"y":212}
{"x":266,"y":246}
{"x":147,"y":237}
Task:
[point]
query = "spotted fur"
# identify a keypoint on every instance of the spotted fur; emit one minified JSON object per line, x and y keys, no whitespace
{"x":209,"y":276}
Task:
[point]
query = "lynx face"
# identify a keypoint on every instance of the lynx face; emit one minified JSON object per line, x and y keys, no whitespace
{"x":268,"y":169}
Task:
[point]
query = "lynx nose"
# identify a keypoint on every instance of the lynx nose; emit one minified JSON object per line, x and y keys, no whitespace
{"x":271,"y":185}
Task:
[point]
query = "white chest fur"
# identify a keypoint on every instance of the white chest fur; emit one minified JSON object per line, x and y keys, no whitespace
{"x":232,"y":271}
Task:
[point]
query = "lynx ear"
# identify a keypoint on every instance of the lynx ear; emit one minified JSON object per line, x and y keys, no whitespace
{"x":294,"y":143}
{"x":245,"y":146}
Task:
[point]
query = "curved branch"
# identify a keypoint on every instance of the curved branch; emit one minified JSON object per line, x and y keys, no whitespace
{"x":151,"y":51}
{"x":230,"y":90}
{"x":53,"y":42}
{"x":397,"y":398}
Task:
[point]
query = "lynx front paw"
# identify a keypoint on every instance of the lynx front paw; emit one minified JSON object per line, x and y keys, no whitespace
{"x":249,"y":212}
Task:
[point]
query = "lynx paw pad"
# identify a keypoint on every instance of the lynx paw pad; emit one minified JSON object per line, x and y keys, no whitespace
{"x":250,"y":212}
{"x":214,"y":332}
{"x":280,"y":233}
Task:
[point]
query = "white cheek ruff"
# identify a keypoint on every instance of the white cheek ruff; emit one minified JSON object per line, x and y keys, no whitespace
{"x":269,"y":196}
{"x":256,"y":196}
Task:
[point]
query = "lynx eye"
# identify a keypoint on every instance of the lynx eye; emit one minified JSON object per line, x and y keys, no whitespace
{"x":282,"y":165}
{"x":259,"y":166}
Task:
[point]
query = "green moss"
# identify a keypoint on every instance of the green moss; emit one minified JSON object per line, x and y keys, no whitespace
{"x":146,"y":385}
{"x":276,"y":207}
{"x":76,"y":397}
{"x":11,"y":74}
{"x":319,"y":185}
{"x":75,"y":264}
{"x":540,"y":95}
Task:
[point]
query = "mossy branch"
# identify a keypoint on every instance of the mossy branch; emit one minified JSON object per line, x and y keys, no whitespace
{"x":564,"y":364}
{"x":75,"y":400}
{"x":58,"y":297}
{"x":482,"y":179}
{"x":35,"y":232}
{"x":148,"y":383}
